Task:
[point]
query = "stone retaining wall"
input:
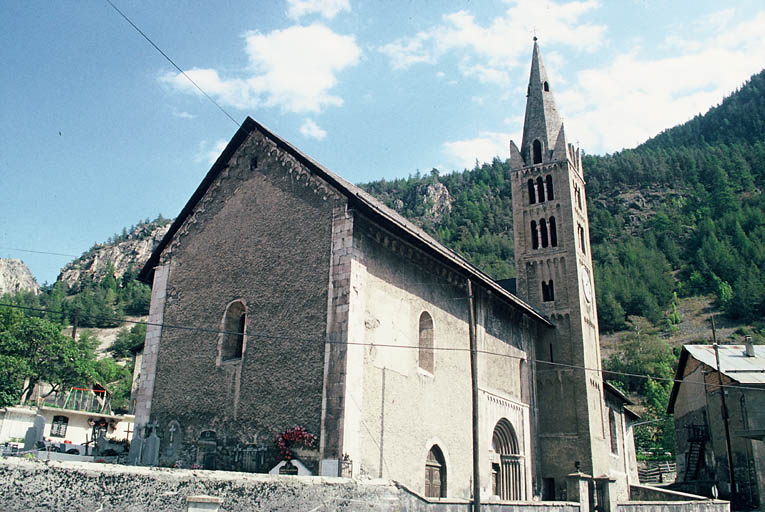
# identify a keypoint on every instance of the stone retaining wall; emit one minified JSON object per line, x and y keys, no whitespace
{"x":29,"y":485}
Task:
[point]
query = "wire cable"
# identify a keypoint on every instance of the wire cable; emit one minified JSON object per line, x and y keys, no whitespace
{"x":384,"y":345}
{"x":172,"y":62}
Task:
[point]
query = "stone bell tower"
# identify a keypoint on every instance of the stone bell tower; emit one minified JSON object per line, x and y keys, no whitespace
{"x":554,"y":274}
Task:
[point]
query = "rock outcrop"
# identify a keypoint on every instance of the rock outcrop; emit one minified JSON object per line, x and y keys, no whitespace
{"x":15,"y":277}
{"x":130,"y":250}
{"x":438,"y":201}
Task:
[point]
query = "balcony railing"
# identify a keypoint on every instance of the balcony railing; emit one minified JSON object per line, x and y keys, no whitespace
{"x":697,"y":433}
{"x":79,"y":399}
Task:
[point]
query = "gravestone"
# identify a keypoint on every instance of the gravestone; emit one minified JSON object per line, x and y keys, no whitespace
{"x":136,"y":447}
{"x":174,"y":436}
{"x":34,"y":433}
{"x":150,"y":455}
{"x":207,"y":447}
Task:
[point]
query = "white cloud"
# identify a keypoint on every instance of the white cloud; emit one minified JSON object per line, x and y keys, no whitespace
{"x":209,"y":153}
{"x":326,"y":8}
{"x":463,"y":154}
{"x":644,"y":96}
{"x":312,"y":130}
{"x":183,"y":115}
{"x":293,"y":69}
{"x":490,"y":50}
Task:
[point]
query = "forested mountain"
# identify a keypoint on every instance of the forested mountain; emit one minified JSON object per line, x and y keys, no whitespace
{"x":682,"y":213}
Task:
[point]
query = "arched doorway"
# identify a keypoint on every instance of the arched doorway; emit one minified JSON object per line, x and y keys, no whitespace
{"x":435,"y":473}
{"x":507,"y":463}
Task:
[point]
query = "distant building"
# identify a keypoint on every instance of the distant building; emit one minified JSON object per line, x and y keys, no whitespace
{"x":283,"y":295}
{"x":702,"y":456}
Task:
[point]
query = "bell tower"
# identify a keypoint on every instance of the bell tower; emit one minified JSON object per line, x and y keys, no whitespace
{"x":554,"y":274}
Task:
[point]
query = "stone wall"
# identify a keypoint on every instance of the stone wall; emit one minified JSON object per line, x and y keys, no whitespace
{"x":260,"y":235}
{"x":85,"y":487}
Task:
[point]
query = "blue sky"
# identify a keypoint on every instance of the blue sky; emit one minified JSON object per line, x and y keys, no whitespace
{"x":99,"y":131}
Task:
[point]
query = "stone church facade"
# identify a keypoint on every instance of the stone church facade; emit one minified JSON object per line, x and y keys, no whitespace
{"x":284,"y":296}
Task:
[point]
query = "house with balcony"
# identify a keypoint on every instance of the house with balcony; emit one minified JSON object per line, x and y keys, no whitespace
{"x":720,"y":409}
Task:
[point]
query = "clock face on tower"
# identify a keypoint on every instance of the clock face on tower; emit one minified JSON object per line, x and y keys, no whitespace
{"x":586,"y":284}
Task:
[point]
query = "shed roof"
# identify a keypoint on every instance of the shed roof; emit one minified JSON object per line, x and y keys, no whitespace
{"x":358,"y":199}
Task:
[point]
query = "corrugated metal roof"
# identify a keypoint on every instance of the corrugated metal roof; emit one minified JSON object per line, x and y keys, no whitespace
{"x":734,"y":362}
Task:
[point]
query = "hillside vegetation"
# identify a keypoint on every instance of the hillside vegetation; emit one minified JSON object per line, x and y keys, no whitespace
{"x":673,"y":222}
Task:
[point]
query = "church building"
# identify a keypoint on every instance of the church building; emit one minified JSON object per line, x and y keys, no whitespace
{"x":284,"y":296}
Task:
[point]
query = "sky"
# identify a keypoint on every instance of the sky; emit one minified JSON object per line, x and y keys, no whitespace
{"x":98,"y":131}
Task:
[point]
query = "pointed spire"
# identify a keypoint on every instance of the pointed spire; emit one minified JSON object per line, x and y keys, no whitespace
{"x":542,"y":121}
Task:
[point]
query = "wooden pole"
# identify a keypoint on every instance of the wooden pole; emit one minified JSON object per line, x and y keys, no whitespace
{"x":731,"y":473}
{"x":474,"y":385}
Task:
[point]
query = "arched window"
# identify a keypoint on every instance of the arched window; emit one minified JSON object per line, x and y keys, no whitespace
{"x":553,"y":233}
{"x":543,"y":232}
{"x":541,"y":189}
{"x":58,"y":426}
{"x":548,"y":291}
{"x":507,"y":463}
{"x":546,"y":87}
{"x":537,"y":149}
{"x":532,"y":192}
{"x":581,"y":238}
{"x":612,"y":429}
{"x":234,"y":324}
{"x":426,"y":342}
{"x":534,"y":235}
{"x":435,"y":474}
{"x":548,"y":181}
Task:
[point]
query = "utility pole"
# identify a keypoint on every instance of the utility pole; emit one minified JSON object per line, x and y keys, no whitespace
{"x":474,"y":383}
{"x":731,"y":473}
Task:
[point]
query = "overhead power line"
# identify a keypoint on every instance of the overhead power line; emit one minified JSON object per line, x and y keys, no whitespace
{"x":377,"y":345}
{"x":39,"y":252}
{"x":176,"y":66}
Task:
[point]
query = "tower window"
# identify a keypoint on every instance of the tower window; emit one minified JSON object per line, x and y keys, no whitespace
{"x":534,"y":235}
{"x":578,"y":195}
{"x":553,"y":233}
{"x":426,"y":342}
{"x":234,"y":322}
{"x":581,"y":238}
{"x":543,"y":232}
{"x":541,"y":189}
{"x":537,"y":149}
{"x":548,"y":291}
{"x":546,"y":87}
{"x":532,"y":192}
{"x":550,"y":195}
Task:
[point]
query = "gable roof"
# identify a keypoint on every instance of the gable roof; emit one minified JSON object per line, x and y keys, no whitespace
{"x":358,"y":199}
{"x":734,"y":364}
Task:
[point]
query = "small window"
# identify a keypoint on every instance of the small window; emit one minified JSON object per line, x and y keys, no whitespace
{"x":553,"y":233}
{"x":537,"y":149}
{"x":546,"y":87}
{"x":541,"y":189}
{"x":435,"y":474}
{"x":612,"y":429}
{"x":532,"y":192}
{"x":581,"y":239}
{"x":548,"y":181}
{"x":58,"y":427}
{"x":534,"y":235}
{"x":234,"y":331}
{"x":426,"y":342}
{"x":548,"y":292}
{"x":543,"y":232}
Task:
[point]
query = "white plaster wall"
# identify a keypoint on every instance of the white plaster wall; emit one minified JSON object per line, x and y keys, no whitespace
{"x":15,"y":422}
{"x":396,"y":428}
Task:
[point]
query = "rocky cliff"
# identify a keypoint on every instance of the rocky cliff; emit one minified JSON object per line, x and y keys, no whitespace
{"x":131,"y":249}
{"x":16,"y":277}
